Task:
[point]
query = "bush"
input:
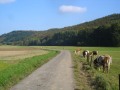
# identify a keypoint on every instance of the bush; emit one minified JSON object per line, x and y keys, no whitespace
{"x":87,"y":67}
{"x":101,"y":83}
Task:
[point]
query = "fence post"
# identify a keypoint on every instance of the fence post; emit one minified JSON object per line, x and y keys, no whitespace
{"x":119,"y":81}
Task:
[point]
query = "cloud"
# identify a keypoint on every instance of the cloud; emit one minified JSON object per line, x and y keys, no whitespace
{"x":72,"y":9}
{"x":6,"y":1}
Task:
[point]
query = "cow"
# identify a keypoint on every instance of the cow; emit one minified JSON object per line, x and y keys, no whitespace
{"x":85,"y":53}
{"x":94,"y":53}
{"x":77,"y":51}
{"x":104,"y":61}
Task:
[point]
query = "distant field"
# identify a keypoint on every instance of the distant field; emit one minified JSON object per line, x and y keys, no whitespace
{"x":15,"y":53}
{"x":20,"y":54}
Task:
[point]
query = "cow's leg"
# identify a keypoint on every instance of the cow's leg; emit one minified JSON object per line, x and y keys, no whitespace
{"x":88,"y":59}
{"x":107,"y":67}
{"x":103,"y":68}
{"x":91,"y":60}
{"x":99,"y":68}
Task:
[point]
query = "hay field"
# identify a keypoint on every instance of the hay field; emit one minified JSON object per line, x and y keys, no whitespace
{"x":17,"y":53}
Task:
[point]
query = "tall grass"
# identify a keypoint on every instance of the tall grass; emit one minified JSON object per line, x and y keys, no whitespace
{"x":16,"y":72}
{"x":101,"y":83}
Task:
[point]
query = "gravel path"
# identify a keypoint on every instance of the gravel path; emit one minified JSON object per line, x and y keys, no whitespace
{"x":57,"y":74}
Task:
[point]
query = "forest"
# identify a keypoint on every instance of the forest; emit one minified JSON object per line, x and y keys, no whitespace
{"x":104,"y":31}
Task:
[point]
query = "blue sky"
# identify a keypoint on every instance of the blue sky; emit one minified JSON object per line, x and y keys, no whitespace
{"x":47,"y":14}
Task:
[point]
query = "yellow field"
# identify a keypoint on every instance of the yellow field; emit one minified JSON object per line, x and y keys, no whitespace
{"x":15,"y":53}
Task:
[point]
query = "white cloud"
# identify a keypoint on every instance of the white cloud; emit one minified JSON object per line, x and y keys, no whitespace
{"x":72,"y":9}
{"x":6,"y":1}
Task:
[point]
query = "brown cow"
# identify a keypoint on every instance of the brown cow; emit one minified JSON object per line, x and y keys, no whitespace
{"x":77,"y":51}
{"x":103,"y":61}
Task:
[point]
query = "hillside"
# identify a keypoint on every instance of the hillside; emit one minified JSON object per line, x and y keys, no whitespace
{"x":85,"y":34}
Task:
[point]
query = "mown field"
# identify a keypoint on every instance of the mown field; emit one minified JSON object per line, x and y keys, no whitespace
{"x":17,"y":62}
{"x":99,"y":80}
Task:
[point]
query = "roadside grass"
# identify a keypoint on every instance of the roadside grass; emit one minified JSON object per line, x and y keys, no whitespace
{"x":3,"y":65}
{"x":82,"y":78}
{"x":14,"y":73}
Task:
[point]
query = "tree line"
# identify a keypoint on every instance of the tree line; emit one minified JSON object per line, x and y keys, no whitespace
{"x":101,"y":36}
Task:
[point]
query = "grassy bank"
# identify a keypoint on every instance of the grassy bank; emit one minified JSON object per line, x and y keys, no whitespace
{"x":14,"y":73}
{"x":82,"y":78}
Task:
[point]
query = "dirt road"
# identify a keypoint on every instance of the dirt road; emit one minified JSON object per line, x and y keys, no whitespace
{"x":57,"y":74}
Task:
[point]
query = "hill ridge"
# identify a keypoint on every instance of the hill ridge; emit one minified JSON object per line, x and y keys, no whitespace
{"x":31,"y":37}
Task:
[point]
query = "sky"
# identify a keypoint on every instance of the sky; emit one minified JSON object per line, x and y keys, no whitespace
{"x":47,"y":14}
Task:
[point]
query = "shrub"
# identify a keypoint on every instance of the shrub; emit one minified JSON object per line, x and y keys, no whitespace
{"x":101,"y":83}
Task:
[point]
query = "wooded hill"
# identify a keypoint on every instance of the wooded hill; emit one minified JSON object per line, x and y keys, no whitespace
{"x":100,"y":32}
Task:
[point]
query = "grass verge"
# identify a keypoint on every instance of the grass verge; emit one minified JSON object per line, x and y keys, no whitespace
{"x":14,"y":73}
{"x":82,"y":78}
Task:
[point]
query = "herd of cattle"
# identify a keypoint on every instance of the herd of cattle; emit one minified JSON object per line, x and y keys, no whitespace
{"x":99,"y":60}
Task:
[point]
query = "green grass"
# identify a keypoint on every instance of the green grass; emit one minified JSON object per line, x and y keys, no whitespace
{"x":4,"y":65}
{"x":14,"y":73}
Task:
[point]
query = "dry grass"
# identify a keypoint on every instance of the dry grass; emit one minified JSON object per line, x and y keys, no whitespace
{"x":15,"y":53}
